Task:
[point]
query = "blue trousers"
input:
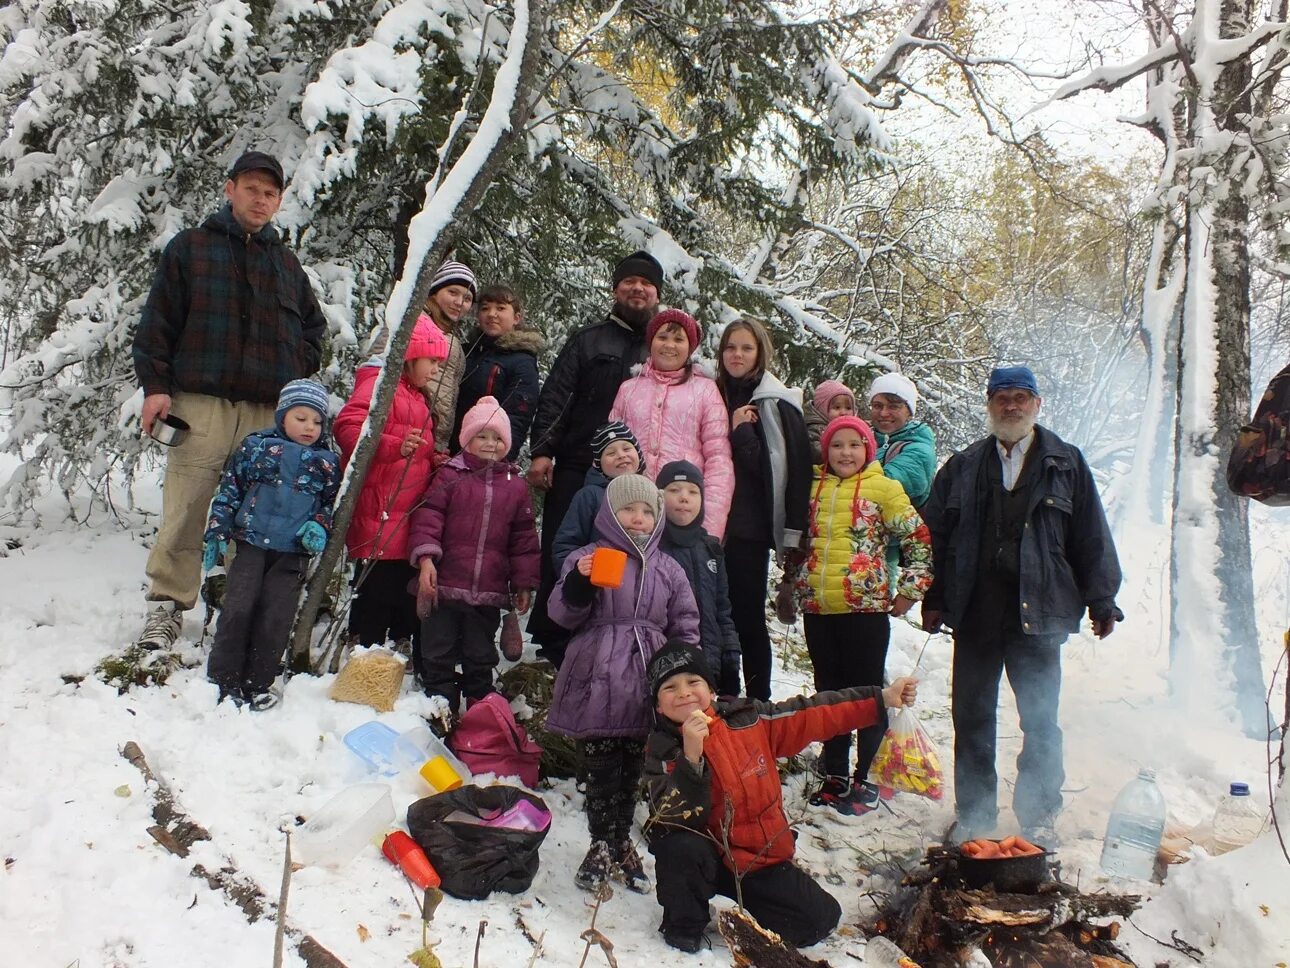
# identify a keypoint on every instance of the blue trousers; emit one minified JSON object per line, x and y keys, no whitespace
{"x":1033,"y":664}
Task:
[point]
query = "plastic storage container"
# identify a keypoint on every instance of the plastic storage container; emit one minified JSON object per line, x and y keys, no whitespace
{"x":1237,"y":821}
{"x":1133,"y":832}
{"x":352,"y":818}
{"x":376,"y":745}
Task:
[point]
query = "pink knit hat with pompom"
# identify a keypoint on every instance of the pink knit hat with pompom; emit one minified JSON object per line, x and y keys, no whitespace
{"x":427,"y":341}
{"x":486,"y":414}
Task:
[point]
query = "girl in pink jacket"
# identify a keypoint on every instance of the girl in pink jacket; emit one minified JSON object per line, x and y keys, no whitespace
{"x":677,"y":413}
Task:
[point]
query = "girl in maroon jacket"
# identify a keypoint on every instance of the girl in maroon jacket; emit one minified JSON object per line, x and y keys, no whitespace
{"x":475,"y":545}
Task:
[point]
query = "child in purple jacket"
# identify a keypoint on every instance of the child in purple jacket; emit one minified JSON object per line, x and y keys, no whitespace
{"x":600,"y":696}
{"x":475,"y":545}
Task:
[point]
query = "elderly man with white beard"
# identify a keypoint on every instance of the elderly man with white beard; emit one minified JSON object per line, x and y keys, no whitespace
{"x":1021,"y":549}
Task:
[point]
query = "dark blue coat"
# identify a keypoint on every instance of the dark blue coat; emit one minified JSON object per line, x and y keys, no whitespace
{"x":578,"y":526}
{"x":1068,"y":559}
{"x":505,"y":368}
{"x":270,"y":488}
{"x":704,"y":562}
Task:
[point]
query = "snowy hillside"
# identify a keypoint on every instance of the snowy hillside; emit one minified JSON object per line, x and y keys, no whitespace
{"x":84,"y":884}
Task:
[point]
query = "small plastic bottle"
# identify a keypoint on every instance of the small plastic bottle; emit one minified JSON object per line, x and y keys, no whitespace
{"x":1134,"y":829}
{"x":1237,"y":821}
{"x":881,"y":952}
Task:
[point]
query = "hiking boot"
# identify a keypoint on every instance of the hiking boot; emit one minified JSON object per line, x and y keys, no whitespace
{"x":631,"y":868}
{"x":595,"y":867}
{"x":262,"y":701}
{"x":404,"y":648}
{"x":860,"y":799}
{"x":832,"y":789}
{"x":162,"y":627}
{"x":685,"y":941}
{"x":232,"y":693}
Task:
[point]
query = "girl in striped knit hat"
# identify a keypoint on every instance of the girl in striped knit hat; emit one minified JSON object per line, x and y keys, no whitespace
{"x":452,"y":293}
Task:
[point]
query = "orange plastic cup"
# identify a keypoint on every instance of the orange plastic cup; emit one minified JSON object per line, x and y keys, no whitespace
{"x":607,"y":567}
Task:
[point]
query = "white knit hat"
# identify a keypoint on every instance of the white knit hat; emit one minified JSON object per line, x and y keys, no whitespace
{"x":896,"y":385}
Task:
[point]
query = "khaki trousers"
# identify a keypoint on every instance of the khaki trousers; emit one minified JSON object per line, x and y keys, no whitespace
{"x":192,"y":474}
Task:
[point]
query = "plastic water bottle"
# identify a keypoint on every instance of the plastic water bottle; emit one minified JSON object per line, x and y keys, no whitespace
{"x":881,"y":952}
{"x":1134,"y":829}
{"x":1237,"y":821}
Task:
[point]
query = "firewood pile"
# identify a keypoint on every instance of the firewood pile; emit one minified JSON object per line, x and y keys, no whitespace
{"x":941,"y":922}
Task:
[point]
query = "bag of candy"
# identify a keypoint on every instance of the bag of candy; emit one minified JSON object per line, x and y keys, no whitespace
{"x":907,"y":760}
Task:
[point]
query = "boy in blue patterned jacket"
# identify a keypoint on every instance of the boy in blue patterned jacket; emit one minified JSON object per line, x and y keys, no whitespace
{"x":275,"y":500}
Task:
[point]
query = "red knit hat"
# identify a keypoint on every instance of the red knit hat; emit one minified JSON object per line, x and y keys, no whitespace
{"x":851,"y":422}
{"x":427,"y":341}
{"x":674,"y":317}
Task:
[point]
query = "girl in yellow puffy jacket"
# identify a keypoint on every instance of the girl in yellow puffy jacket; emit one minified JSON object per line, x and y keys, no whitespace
{"x":846,"y":592}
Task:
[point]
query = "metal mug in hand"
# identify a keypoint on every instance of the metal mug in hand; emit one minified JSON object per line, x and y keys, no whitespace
{"x":170,"y":431}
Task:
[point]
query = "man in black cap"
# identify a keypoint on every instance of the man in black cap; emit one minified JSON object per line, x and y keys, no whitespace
{"x":575,"y":400}
{"x":1021,"y":549}
{"x":231,"y":319}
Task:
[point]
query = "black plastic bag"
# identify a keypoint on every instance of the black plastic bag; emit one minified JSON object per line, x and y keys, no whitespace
{"x":473,"y":860}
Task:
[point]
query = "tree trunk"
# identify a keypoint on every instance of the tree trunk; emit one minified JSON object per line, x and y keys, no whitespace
{"x":430,"y":234}
{"x":1214,"y":638}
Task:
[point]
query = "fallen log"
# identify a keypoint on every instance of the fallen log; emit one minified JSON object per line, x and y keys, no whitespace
{"x":177,"y":832}
{"x":752,"y":946}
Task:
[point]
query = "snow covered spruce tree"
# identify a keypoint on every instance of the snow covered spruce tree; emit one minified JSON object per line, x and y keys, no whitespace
{"x":1216,"y":100}
{"x":655,"y":123}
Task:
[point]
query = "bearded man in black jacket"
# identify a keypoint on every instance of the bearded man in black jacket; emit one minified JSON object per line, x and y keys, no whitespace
{"x":575,"y":400}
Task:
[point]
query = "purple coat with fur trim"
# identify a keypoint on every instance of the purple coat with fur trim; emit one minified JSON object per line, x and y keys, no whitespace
{"x":602,"y":688}
{"x":476,"y":524}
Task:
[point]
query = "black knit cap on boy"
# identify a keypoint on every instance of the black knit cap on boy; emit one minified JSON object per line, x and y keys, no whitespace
{"x":676,"y":657}
{"x":640,"y":263}
{"x":683,"y":472}
{"x":259,"y":161}
{"x":609,"y":432}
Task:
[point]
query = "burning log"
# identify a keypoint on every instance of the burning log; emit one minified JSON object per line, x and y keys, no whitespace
{"x":941,"y":922}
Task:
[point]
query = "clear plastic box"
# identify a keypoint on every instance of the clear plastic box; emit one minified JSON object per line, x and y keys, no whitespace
{"x":343,"y":825}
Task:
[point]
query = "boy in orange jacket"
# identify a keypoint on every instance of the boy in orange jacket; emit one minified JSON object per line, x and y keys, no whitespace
{"x":706,"y":760}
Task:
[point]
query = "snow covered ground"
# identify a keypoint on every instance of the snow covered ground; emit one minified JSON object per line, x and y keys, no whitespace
{"x":83,"y":883}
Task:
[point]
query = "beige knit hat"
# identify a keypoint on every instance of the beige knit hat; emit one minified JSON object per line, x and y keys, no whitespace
{"x":630,"y":488}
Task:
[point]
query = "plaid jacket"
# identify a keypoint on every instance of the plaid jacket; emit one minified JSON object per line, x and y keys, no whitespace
{"x":230,"y":315}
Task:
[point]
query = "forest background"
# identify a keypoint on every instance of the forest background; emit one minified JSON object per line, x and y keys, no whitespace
{"x":933,"y":187}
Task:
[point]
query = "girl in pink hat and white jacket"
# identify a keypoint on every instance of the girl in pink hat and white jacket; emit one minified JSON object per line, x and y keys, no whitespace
{"x":676,"y":413}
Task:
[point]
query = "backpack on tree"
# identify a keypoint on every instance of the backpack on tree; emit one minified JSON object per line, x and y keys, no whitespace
{"x":1260,"y":463}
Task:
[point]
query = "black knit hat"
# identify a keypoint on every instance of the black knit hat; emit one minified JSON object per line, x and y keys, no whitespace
{"x":679,"y":471}
{"x":606,"y":434}
{"x":675,"y":657}
{"x":640,"y":263}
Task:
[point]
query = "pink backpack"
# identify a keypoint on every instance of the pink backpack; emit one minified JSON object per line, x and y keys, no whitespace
{"x":489,"y":740}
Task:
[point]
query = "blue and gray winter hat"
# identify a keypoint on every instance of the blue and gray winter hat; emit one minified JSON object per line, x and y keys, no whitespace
{"x":302,"y":393}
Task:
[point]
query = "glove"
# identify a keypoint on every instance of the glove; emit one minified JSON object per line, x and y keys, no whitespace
{"x":212,"y":551}
{"x":785,"y":606}
{"x":729,"y":680}
{"x":313,"y":538}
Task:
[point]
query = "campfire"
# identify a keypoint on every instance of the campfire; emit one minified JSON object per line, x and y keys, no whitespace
{"x":940,"y":920}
